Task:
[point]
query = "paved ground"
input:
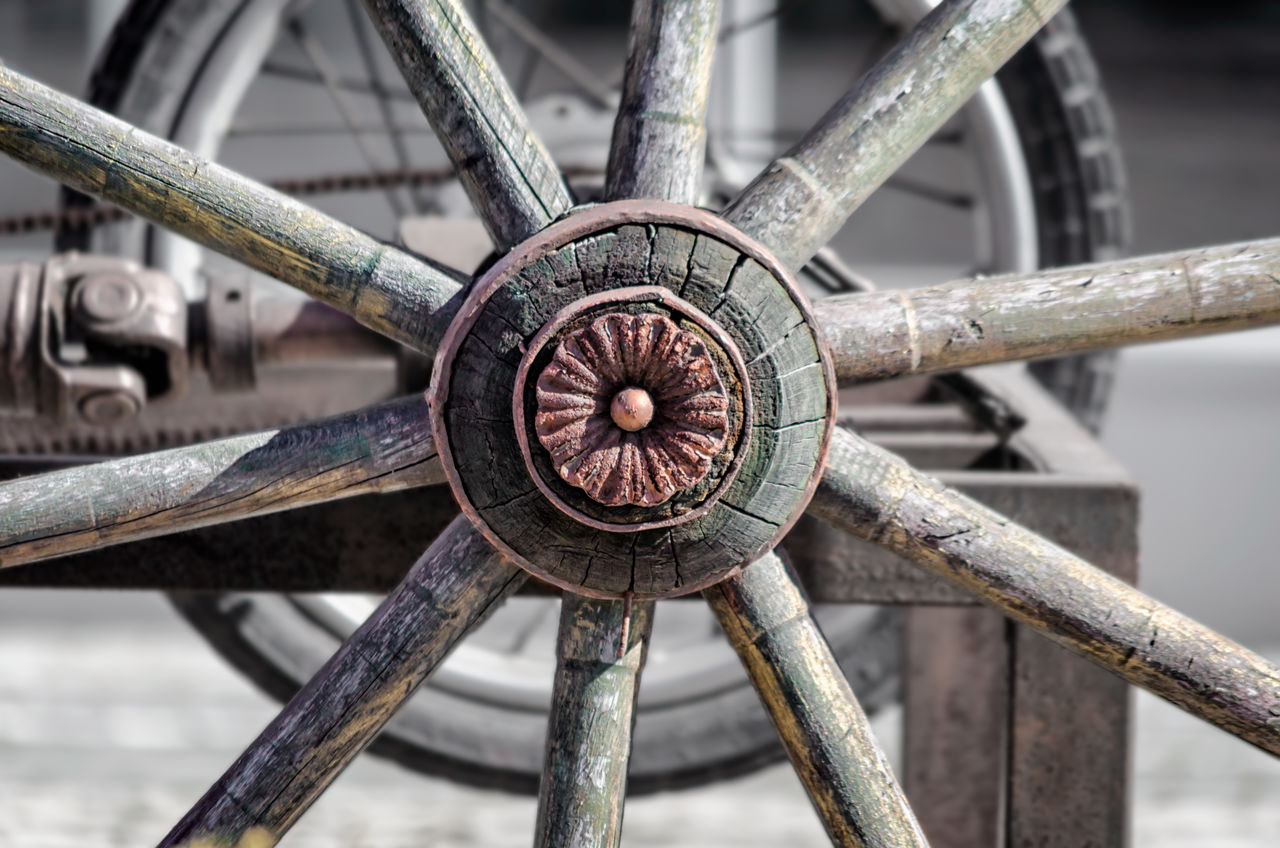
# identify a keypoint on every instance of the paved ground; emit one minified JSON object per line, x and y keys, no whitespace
{"x":114,"y":719}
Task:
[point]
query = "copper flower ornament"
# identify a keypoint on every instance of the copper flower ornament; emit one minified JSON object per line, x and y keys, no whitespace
{"x":631,"y":409}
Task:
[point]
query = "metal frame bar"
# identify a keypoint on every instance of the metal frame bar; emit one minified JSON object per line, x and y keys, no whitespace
{"x":878,"y":497}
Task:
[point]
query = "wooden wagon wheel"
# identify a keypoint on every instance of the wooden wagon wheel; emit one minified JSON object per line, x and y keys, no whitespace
{"x":633,"y":403}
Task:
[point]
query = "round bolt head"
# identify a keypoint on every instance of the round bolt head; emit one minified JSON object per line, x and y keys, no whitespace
{"x":632,"y":409}
{"x":108,"y":298}
{"x":109,"y":407}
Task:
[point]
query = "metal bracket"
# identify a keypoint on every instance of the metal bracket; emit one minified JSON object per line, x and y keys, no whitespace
{"x":90,"y":338}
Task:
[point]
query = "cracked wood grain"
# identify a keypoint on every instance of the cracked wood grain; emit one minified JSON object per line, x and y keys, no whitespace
{"x":880,"y":335}
{"x":511,"y":179}
{"x":876,"y":496}
{"x":781,"y":359}
{"x":386,"y":289}
{"x":382,"y":448}
{"x":826,"y":734}
{"x":803,"y":197}
{"x":456,"y":584}
{"x":599,"y":657}
{"x":660,"y":134}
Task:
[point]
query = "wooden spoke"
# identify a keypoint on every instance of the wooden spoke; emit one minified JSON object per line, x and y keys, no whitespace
{"x":379,"y":449}
{"x":821,"y":724}
{"x":660,"y":135}
{"x":877,"y":335}
{"x":385,"y":289}
{"x":451,"y":589}
{"x":512,"y":181}
{"x":600,"y":653}
{"x":805,"y":195}
{"x":876,"y":496}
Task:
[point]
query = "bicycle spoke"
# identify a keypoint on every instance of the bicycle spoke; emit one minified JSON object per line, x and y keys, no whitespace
{"x":324,"y":66}
{"x":380,"y":449}
{"x":386,"y":108}
{"x":456,"y":584}
{"x":876,"y":496}
{"x":587,"y":80}
{"x":1052,"y":313}
{"x":600,"y":653}
{"x":935,"y":194}
{"x":387,"y":290}
{"x":512,"y":181}
{"x":823,"y":728}
{"x":278,"y":69}
{"x":660,"y":135}
{"x":804,"y":196}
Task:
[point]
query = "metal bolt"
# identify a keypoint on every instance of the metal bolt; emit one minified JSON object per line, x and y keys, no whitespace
{"x":107,"y":298}
{"x":109,"y":407}
{"x":632,"y":409}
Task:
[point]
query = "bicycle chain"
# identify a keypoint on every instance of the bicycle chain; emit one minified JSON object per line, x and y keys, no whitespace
{"x":77,"y":218}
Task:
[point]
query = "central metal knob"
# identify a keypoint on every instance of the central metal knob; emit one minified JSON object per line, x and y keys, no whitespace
{"x":606,"y":383}
{"x":632,"y":409}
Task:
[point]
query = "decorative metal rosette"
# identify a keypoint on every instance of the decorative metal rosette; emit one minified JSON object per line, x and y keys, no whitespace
{"x":624,"y":447}
{"x":635,"y":401}
{"x":631,"y":409}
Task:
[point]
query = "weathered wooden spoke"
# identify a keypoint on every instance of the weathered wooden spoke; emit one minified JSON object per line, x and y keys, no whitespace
{"x":509,"y":175}
{"x":878,"y":335}
{"x":824,"y":730}
{"x":386,"y":289}
{"x":878,"y":497}
{"x":804,"y":196}
{"x":380,"y":449}
{"x":660,"y":135}
{"x":599,"y":656}
{"x":451,"y":589}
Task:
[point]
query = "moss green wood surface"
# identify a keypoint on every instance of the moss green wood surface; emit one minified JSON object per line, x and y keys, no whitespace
{"x":511,"y":179}
{"x":386,"y":289}
{"x":660,"y":134}
{"x":823,"y":728}
{"x":584,"y":781}
{"x":450,"y":590}
{"x":380,"y":449}
{"x":878,"y":497}
{"x":805,"y":195}
{"x":879,"y":335}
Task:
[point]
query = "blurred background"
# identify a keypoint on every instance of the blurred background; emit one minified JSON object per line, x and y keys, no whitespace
{"x":114,"y":715}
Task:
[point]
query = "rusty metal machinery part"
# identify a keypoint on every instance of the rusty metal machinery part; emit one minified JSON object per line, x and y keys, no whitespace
{"x":90,"y":339}
{"x":598,"y":397}
{"x":669,"y":473}
{"x":638,"y":258}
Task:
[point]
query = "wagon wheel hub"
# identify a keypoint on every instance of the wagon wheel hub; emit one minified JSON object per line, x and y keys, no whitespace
{"x":636,"y":400}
